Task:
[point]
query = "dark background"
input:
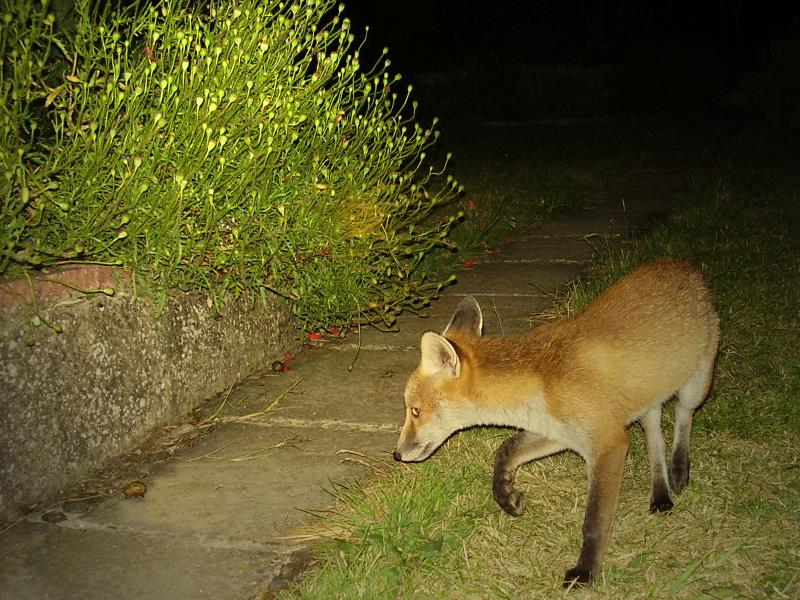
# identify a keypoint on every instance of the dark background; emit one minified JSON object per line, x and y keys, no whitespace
{"x":511,"y":60}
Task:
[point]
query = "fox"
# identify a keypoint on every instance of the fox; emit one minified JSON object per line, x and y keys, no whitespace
{"x":575,"y":384}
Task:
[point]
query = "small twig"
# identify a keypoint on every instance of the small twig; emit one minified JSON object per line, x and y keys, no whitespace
{"x":257,"y":453}
{"x":497,"y":313}
{"x":358,"y":350}
{"x":289,"y":442}
{"x":283,"y":395}
{"x":541,"y":289}
{"x":363,"y":463}
{"x":587,"y":239}
{"x":252,"y":416}
{"x":204,"y":422}
{"x":13,"y":524}
{"x":214,"y":419}
{"x":210,"y":454}
{"x":82,"y":498}
{"x":108,"y":291}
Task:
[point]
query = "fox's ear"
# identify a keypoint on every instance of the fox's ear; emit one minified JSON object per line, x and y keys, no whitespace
{"x":438,"y":355}
{"x":467,"y":318}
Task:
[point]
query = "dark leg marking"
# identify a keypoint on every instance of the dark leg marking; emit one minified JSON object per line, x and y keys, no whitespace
{"x":505,"y":494}
{"x":690,"y":396}
{"x":605,"y":481}
{"x":583,"y":572}
{"x":523,"y":447}
{"x":679,"y":468}
{"x":660,"y":502}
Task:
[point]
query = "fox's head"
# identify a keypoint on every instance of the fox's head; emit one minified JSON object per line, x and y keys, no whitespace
{"x":434,"y":392}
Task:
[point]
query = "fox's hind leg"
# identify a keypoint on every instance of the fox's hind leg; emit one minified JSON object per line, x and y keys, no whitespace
{"x":605,"y":479}
{"x":690,"y":395}
{"x":524,"y":447}
{"x":659,"y":488}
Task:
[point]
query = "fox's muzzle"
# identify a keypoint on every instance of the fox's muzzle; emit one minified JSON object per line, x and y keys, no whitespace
{"x":415,"y":452}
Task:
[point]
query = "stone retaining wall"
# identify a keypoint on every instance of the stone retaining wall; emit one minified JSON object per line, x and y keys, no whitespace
{"x":70,"y":401}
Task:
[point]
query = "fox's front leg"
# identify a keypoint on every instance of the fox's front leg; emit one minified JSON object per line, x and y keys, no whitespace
{"x":515,"y":451}
{"x":605,"y":481}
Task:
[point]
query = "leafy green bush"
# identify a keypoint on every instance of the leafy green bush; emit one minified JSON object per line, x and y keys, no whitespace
{"x":233,"y":150}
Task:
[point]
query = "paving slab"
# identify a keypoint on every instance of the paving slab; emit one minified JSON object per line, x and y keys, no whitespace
{"x":232,"y":501}
{"x":43,"y":561}
{"x":608,"y":223}
{"x":502,"y":315}
{"x":262,"y":468}
{"x":540,"y":248}
{"x":320,"y":391}
{"x":514,"y":279}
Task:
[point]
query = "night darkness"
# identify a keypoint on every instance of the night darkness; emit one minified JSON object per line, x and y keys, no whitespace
{"x":666,"y":56}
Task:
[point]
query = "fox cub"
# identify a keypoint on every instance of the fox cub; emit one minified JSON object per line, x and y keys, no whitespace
{"x":575,"y":384}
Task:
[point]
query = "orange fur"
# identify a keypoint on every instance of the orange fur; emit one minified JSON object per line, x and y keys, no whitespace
{"x":575,"y":384}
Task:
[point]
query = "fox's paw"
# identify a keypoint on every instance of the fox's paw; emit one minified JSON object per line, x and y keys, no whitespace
{"x":512,"y":501}
{"x":660,"y":502}
{"x":660,"y":505}
{"x":577,"y":577}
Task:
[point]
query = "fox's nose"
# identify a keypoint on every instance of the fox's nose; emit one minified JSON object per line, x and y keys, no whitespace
{"x":396,"y":455}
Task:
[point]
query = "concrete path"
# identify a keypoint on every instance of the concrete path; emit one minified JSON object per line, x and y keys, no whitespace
{"x":226,"y":492}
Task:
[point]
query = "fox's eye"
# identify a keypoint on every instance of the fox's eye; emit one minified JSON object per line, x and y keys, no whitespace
{"x":414,"y":411}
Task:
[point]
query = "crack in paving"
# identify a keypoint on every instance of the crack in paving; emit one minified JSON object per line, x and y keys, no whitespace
{"x":533,"y":261}
{"x":332,"y":424}
{"x":498,"y":295}
{"x":350,"y":346}
{"x":278,"y":546}
{"x":567,"y":236}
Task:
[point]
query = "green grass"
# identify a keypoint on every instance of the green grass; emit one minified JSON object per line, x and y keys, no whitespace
{"x":432,"y":530}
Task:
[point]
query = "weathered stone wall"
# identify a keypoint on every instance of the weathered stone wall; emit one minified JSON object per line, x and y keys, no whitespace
{"x":70,"y":401}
